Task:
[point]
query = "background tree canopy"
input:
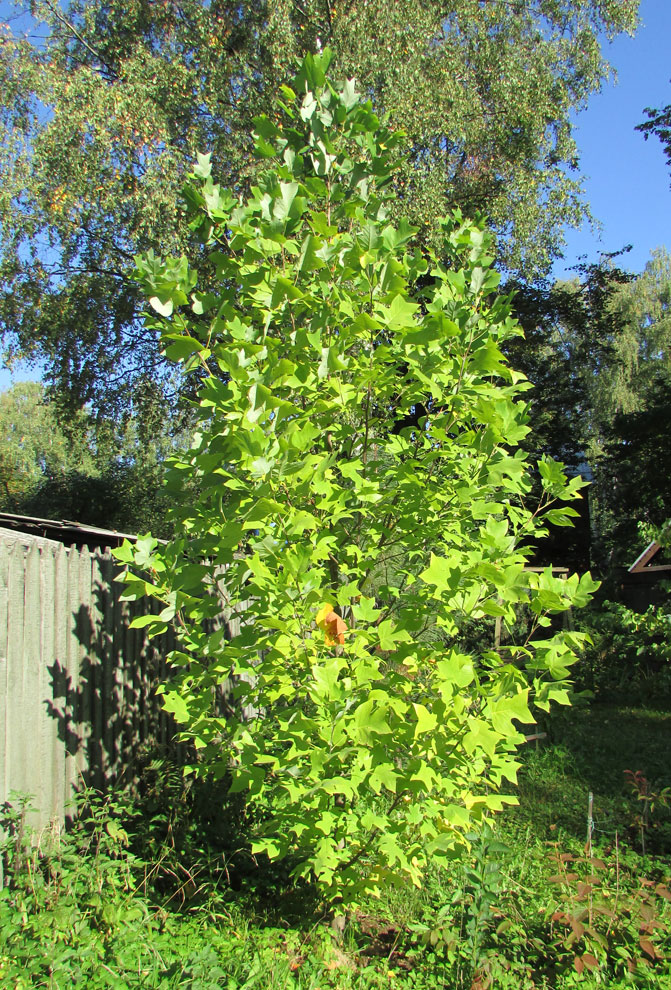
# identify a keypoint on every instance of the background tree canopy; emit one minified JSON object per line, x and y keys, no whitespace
{"x":98,"y":471}
{"x":658,"y":124}
{"x":629,"y":436}
{"x":105,"y":104}
{"x":32,"y":444}
{"x":598,"y":350}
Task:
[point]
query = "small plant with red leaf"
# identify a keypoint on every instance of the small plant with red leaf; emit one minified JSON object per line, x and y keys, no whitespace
{"x":649,"y":800}
{"x":603,"y":919}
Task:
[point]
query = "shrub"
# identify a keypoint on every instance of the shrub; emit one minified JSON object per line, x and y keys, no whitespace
{"x":629,"y":652}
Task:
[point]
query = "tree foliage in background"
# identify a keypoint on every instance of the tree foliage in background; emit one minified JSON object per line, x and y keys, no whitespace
{"x":353,"y":548}
{"x":572,"y":331}
{"x":641,"y":309}
{"x":103,"y":103}
{"x":628,"y":442}
{"x":598,"y":351}
{"x":106,"y":473}
{"x":632,"y":486}
{"x":33,"y":446}
{"x":658,"y":125}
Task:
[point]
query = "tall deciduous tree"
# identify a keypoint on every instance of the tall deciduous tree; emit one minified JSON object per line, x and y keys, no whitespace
{"x":641,"y":308}
{"x":632,"y":486}
{"x":352,"y":551}
{"x":105,"y":108}
{"x":629,"y":441}
{"x":598,"y":352}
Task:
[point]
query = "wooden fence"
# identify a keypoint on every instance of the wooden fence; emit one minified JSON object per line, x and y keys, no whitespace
{"x":77,"y":685}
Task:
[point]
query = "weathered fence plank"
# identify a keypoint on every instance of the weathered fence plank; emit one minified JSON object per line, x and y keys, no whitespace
{"x":77,"y":685}
{"x":4,"y":663}
{"x":16,"y":755}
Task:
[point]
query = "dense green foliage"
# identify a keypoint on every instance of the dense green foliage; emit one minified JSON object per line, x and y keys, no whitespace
{"x":569,"y":329}
{"x":352,"y":533}
{"x":632,"y":491}
{"x":628,"y":408}
{"x":106,"y":102}
{"x":570,"y":352}
{"x":33,"y":446}
{"x":640,"y":342}
{"x":630,"y":653}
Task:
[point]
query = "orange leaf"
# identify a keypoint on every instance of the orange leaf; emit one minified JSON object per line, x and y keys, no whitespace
{"x":335,"y":629}
{"x":332,"y":624}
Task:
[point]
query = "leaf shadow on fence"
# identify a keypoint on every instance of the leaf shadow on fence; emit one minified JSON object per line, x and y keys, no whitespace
{"x":102,"y":689}
{"x":113,"y":730}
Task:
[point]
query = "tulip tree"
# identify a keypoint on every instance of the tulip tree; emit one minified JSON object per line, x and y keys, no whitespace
{"x":359,"y":497}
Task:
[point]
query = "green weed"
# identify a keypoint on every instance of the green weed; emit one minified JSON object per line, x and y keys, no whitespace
{"x":157,"y":890}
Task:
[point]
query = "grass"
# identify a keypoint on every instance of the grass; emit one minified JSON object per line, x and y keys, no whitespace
{"x":590,"y":749}
{"x":150,"y":895}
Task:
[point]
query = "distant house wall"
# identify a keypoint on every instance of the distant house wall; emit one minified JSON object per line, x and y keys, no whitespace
{"x":76,"y":683}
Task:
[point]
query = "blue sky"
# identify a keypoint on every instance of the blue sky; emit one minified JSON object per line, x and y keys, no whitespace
{"x":626,"y":178}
